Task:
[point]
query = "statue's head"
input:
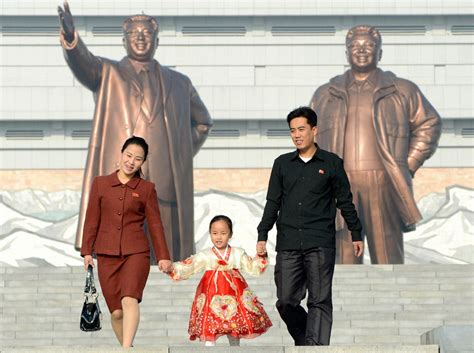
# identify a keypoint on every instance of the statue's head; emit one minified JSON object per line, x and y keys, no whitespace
{"x":140,"y":37}
{"x":363,"y":48}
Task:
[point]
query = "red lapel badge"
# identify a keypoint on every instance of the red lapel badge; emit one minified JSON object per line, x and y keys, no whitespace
{"x":134,"y":194}
{"x":321,"y":171}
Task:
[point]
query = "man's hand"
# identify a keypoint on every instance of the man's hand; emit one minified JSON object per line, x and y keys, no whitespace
{"x":67,"y":24}
{"x":88,"y":260}
{"x":261,"y":247}
{"x":165,"y":265}
{"x":358,"y":248}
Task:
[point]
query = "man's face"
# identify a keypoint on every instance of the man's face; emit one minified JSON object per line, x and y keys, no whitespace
{"x":302,"y":133}
{"x":363,"y":54}
{"x":140,"y":40}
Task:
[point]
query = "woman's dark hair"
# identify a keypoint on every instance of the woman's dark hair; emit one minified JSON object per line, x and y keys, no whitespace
{"x":226,"y":219}
{"x":135,"y":140}
{"x":139,"y":141}
{"x":303,"y":112}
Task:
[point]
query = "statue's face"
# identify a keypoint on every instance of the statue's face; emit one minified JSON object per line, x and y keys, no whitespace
{"x":363,"y":54}
{"x":140,"y":40}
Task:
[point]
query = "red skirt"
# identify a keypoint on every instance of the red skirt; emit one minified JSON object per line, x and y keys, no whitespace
{"x":122,"y":276}
{"x":224,"y":305}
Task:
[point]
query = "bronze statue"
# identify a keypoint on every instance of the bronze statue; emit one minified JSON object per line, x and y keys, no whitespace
{"x":137,"y":96}
{"x":384,"y":129}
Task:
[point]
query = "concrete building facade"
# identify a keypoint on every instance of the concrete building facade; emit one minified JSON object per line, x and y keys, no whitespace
{"x":251,"y":61}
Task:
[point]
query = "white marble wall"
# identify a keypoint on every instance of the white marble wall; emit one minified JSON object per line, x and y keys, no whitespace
{"x":249,"y":80}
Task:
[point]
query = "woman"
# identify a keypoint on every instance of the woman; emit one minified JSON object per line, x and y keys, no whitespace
{"x":118,"y":205}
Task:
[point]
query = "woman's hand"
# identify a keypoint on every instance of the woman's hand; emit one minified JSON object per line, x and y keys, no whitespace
{"x":165,"y":265}
{"x":88,"y":260}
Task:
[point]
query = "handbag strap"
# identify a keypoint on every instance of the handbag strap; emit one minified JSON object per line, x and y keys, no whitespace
{"x":90,"y":285}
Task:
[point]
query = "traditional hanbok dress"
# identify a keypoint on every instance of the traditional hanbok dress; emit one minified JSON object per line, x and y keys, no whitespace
{"x":224,"y":304}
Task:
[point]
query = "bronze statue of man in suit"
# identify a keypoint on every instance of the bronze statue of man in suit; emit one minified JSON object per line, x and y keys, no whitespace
{"x":384,"y":129}
{"x":137,"y":96}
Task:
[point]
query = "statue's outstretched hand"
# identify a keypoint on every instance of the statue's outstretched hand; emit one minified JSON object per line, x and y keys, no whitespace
{"x":67,"y":24}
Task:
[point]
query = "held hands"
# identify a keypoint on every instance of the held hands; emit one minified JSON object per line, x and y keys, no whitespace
{"x":165,"y":265}
{"x":67,"y":24}
{"x":88,"y":260}
{"x":358,"y":248}
{"x":261,"y":248}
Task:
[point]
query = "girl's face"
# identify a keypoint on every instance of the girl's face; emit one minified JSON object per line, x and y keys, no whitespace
{"x":132,"y":159}
{"x":220,"y":234}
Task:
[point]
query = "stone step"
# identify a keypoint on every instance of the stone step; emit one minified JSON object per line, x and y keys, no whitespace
{"x":225,"y":349}
{"x":451,"y":339}
{"x":373,"y":305}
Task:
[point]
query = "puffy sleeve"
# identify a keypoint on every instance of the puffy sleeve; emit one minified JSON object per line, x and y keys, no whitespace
{"x":253,"y":266}
{"x":186,"y":268}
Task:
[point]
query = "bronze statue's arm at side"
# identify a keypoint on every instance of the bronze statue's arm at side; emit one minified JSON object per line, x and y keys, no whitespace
{"x":201,"y":121}
{"x":425,"y":127}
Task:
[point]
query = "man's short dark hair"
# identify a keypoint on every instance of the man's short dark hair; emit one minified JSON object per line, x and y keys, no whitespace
{"x":303,"y":112}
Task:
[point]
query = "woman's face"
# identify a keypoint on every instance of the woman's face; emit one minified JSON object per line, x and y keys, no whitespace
{"x":132,"y":159}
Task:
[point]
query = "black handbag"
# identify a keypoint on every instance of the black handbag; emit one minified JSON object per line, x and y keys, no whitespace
{"x":91,"y":314}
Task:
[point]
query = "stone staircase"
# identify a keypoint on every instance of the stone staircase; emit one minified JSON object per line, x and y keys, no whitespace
{"x":223,"y":349}
{"x":380,"y":308}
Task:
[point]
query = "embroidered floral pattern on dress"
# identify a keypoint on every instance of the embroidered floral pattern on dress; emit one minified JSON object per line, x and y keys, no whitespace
{"x":263,"y":265}
{"x":250,"y":301}
{"x":200,"y":301}
{"x":224,"y":306}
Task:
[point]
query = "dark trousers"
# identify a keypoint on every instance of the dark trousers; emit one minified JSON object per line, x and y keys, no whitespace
{"x":295,"y":273}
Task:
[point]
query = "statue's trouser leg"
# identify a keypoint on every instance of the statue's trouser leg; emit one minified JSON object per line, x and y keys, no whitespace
{"x":380,"y":220}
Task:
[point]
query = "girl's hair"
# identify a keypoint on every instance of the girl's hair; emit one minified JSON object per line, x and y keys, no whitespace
{"x":139,"y":141}
{"x":226,"y":219}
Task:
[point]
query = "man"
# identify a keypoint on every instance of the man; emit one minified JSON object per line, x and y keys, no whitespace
{"x":384,"y":129}
{"x":137,"y":96}
{"x":304,"y":190}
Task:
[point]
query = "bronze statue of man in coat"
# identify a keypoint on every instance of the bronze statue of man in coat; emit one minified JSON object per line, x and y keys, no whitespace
{"x":138,"y":96}
{"x":384,"y":129}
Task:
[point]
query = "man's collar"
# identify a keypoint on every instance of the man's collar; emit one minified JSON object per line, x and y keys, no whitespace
{"x":317,"y":155}
{"x":114,"y":180}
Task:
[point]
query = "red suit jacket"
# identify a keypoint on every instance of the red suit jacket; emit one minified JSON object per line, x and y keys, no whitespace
{"x":115,"y":216}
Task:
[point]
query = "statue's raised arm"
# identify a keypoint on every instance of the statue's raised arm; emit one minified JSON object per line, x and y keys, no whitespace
{"x":66,"y":21}
{"x":85,"y":66}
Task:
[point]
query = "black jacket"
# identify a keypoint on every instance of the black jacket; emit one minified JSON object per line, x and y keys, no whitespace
{"x":302,"y":199}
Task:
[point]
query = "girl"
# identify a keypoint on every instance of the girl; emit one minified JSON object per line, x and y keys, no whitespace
{"x":223,"y":304}
{"x":118,"y":205}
